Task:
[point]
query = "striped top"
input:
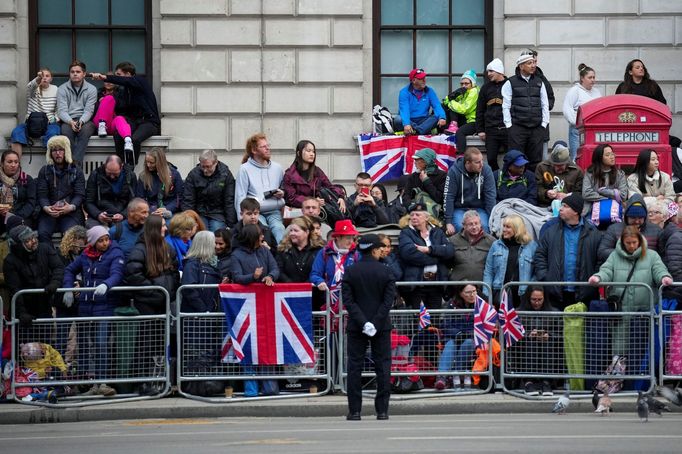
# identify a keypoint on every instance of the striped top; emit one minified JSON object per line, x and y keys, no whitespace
{"x":41,"y":101}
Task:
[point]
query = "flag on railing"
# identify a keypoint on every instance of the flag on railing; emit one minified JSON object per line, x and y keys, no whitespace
{"x":424,"y":317}
{"x":227,"y":354}
{"x":445,"y":147}
{"x":269,"y":325}
{"x":512,"y":328}
{"x":485,"y":322}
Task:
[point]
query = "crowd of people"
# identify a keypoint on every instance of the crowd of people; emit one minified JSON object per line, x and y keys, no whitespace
{"x":156,"y":228}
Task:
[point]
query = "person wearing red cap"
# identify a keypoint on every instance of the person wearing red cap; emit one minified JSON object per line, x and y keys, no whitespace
{"x":419,"y":105}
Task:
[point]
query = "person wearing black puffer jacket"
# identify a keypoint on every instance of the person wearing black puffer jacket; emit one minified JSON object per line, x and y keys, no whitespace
{"x":108,"y":191}
{"x":152,"y":261}
{"x":670,"y":247}
{"x":201,"y":267}
{"x":251,"y":261}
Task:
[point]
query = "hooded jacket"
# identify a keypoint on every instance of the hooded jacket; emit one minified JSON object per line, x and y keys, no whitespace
{"x":464,"y":190}
{"x":254,"y":179}
{"x":464,"y":104}
{"x":612,"y":235}
{"x":212,"y":197}
{"x":156,"y":196}
{"x":107,"y":269}
{"x":576,"y":96}
{"x":523,"y":187}
{"x":101,"y":194}
{"x":434,"y":185}
{"x":55,"y":184}
{"x":297,"y":188}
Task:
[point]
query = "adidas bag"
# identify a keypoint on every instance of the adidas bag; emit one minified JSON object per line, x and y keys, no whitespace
{"x":383,"y":120}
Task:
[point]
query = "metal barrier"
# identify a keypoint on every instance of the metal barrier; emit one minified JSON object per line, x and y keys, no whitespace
{"x":669,"y":340}
{"x":200,"y":338}
{"x":419,"y":352}
{"x":577,"y":347}
{"x":114,"y":350}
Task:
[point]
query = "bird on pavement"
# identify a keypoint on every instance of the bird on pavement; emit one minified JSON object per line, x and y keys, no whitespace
{"x":595,"y":398}
{"x":673,"y":395}
{"x":604,"y":405}
{"x":642,"y":408}
{"x":656,"y":406}
{"x":562,"y":404}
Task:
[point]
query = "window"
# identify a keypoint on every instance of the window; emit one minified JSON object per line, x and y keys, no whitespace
{"x":100,"y":33}
{"x":444,"y":37}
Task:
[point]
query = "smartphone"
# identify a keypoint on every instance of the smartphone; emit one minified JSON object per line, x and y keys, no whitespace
{"x":364,"y":191}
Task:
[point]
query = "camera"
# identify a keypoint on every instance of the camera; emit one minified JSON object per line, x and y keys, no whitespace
{"x":269,"y":194}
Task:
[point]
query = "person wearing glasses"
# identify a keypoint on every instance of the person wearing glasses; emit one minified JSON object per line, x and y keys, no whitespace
{"x":419,"y":106}
{"x":462,"y":102}
{"x":365,"y":209}
{"x":525,"y":109}
{"x":60,"y":190}
{"x":489,"y":121}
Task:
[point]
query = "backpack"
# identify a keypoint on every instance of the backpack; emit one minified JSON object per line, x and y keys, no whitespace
{"x":330,"y":212}
{"x":36,"y":125}
{"x":433,"y":208}
{"x":383,"y":120}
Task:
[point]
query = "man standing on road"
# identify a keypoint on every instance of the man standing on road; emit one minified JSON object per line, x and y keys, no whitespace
{"x":368,"y":291}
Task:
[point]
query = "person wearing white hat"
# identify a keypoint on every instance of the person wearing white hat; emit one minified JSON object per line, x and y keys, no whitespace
{"x":525,"y":109}
{"x":489,"y":121}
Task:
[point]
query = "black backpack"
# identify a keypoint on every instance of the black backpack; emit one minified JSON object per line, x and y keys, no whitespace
{"x":331,"y":211}
{"x":36,"y":125}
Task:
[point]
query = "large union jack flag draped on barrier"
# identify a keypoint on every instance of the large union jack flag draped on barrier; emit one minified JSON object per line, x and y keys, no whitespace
{"x":512,"y":328}
{"x":269,"y":325}
{"x":485,"y":322}
{"x":389,"y":157}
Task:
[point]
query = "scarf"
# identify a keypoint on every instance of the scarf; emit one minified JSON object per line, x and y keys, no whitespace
{"x":7,"y":189}
{"x":92,"y":253}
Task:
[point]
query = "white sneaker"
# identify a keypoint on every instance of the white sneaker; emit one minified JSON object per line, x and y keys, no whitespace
{"x":102,"y":129}
{"x":128,"y":145}
{"x":467,"y":382}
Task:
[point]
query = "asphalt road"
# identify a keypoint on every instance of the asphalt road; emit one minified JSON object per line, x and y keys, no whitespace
{"x":528,"y":433}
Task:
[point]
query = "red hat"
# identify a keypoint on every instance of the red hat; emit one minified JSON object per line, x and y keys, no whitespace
{"x":344,"y":227}
{"x":417,"y":73}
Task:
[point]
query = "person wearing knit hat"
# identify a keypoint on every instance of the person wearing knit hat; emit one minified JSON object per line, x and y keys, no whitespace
{"x":95,"y":233}
{"x":460,"y":106}
{"x":427,"y":177}
{"x":62,"y":199}
{"x":557,"y":176}
{"x":489,"y":120}
{"x":525,"y":109}
{"x":420,"y":110}
{"x":25,"y":236}
{"x":574,"y":201}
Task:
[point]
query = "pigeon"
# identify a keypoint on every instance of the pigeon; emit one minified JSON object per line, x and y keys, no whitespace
{"x":604,"y":405}
{"x":656,"y":406}
{"x":595,"y":399}
{"x":562,"y":404}
{"x":673,"y":395}
{"x":642,"y":408}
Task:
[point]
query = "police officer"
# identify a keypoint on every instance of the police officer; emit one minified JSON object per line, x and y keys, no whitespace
{"x":368,"y":291}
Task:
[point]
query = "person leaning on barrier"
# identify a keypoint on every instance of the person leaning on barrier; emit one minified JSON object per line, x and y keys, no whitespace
{"x":201,"y":267}
{"x":471,"y":249}
{"x":368,"y":290}
{"x":670,"y":245}
{"x":32,"y":265}
{"x":567,"y":251}
{"x":251,"y":261}
{"x":424,"y":252}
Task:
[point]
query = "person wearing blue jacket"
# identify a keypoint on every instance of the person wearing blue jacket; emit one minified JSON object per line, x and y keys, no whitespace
{"x":470,"y":185}
{"x":101,"y":265}
{"x":514,"y":180}
{"x":424,"y":253}
{"x":251,"y":260}
{"x":510,"y":259}
{"x":416,"y":102}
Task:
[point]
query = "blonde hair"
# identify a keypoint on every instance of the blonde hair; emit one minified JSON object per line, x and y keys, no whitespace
{"x":181,"y":222}
{"x":519,"y":227}
{"x":405,"y":221}
{"x":305,"y":224}
{"x":200,"y":222}
{"x":162,"y":171}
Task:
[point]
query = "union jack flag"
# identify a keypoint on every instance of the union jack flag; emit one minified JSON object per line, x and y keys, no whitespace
{"x":512,"y":328}
{"x":424,"y":317}
{"x":485,"y":322}
{"x":389,"y":157}
{"x":269,"y":325}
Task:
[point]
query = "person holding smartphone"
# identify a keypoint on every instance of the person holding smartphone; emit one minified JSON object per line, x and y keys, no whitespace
{"x":365,"y":210}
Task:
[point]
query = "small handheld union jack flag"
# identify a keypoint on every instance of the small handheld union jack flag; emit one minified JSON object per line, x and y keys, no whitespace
{"x":424,"y":317}
{"x":512,"y":328}
{"x":485,"y":322}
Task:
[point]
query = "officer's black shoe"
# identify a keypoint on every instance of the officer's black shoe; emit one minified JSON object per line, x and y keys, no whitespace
{"x":355,"y":416}
{"x":382,"y":416}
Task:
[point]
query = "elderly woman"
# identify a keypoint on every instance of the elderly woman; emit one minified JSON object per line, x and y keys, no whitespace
{"x":657,"y":212}
{"x":181,"y":230}
{"x":424,"y":252}
{"x":510,"y":259}
{"x":648,"y":180}
{"x":631,"y":261}
{"x":201,"y":267}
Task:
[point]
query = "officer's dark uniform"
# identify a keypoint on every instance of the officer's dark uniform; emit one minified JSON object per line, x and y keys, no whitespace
{"x":368,"y":292}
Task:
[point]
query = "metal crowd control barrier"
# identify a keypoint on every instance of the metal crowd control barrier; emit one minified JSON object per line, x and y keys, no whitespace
{"x":200,"y":369}
{"x":577,"y":347}
{"x":669,"y":339}
{"x":418,"y":352}
{"x":117,"y":350}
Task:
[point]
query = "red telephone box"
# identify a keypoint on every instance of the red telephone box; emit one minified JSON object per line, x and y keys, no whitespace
{"x":629,"y":123}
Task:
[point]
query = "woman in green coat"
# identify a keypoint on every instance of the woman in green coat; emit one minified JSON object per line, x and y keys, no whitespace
{"x":631,"y":255}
